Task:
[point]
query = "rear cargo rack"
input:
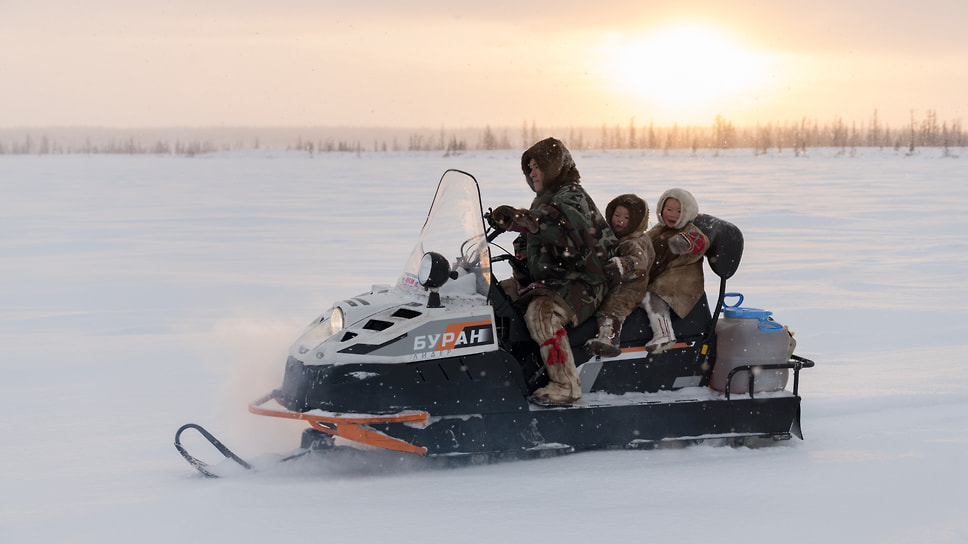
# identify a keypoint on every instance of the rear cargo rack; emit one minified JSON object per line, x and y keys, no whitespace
{"x":796,"y":363}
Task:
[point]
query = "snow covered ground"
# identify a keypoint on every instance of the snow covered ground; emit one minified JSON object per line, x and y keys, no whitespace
{"x":140,"y":293}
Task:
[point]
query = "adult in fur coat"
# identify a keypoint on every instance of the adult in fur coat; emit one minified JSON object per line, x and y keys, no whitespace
{"x":566,"y":243}
{"x":676,"y":276}
{"x":629,"y":271}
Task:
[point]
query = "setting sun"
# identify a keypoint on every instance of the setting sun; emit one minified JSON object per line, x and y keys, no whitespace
{"x":686,"y":66}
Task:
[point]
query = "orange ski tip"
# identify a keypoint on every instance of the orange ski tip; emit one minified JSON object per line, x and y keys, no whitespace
{"x":374,"y":438}
{"x":256,"y":407}
{"x":348,"y":426}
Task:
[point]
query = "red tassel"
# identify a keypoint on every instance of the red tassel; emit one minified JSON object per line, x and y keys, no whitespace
{"x":556,"y":355}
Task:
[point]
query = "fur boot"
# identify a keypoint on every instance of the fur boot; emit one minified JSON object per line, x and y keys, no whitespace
{"x":663,"y":337}
{"x":546,"y":319}
{"x":563,"y":387}
{"x":606,"y":344}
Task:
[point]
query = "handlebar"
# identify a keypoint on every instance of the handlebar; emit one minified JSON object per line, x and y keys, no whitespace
{"x":495,"y":232}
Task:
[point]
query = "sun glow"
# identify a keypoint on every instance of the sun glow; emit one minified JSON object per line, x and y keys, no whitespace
{"x":687,"y":66}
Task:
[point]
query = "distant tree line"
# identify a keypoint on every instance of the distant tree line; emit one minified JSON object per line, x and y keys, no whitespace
{"x":796,"y":136}
{"x":45,"y":145}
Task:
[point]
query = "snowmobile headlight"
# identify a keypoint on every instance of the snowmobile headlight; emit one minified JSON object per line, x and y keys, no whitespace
{"x":336,"y":320}
{"x":434,"y":270}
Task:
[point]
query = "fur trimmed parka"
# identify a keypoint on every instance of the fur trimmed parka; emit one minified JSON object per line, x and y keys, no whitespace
{"x":565,"y":241}
{"x":637,"y":254}
{"x":678,"y":279}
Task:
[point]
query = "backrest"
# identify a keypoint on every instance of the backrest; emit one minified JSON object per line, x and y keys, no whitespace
{"x":725,"y":244}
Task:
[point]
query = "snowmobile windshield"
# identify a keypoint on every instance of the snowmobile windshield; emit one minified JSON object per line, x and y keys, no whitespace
{"x":455,"y":229}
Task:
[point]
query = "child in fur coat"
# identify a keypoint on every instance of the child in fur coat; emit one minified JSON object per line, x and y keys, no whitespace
{"x":676,"y":276}
{"x":628,"y":271}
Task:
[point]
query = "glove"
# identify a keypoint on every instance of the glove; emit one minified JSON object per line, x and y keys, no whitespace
{"x":687,"y":242}
{"x":500,"y":218}
{"x":613,"y":272}
{"x":506,"y":218}
{"x":618,"y":268}
{"x":519,"y":269}
{"x":679,"y":244}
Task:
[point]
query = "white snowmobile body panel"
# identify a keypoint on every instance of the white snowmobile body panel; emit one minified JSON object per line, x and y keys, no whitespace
{"x":401,"y":332}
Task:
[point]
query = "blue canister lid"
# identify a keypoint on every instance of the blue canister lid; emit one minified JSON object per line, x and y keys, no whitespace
{"x":746,"y":313}
{"x":765,"y":323}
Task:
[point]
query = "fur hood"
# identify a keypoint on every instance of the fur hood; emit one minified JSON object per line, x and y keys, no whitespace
{"x":690,"y":208}
{"x":555,"y":162}
{"x":638,"y":213}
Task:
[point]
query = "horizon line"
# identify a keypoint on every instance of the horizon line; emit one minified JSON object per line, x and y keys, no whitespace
{"x":530,"y":124}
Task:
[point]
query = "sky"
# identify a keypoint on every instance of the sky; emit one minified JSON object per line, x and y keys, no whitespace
{"x":124,"y":64}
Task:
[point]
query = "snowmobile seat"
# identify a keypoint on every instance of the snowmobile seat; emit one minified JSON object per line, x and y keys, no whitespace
{"x":725,"y":244}
{"x":724,"y":252}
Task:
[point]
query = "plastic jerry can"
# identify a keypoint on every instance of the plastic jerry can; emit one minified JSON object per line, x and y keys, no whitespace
{"x":748,"y":336}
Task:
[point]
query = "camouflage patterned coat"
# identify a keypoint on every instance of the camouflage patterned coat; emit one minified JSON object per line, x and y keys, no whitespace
{"x":564,"y":239}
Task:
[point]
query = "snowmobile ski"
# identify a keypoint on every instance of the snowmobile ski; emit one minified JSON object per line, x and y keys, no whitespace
{"x":206,"y":469}
{"x":200,"y":465}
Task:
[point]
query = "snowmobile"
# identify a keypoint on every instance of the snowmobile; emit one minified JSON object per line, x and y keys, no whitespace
{"x":442,"y":365}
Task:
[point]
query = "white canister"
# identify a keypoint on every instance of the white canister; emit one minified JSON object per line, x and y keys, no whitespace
{"x":749,"y":336}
